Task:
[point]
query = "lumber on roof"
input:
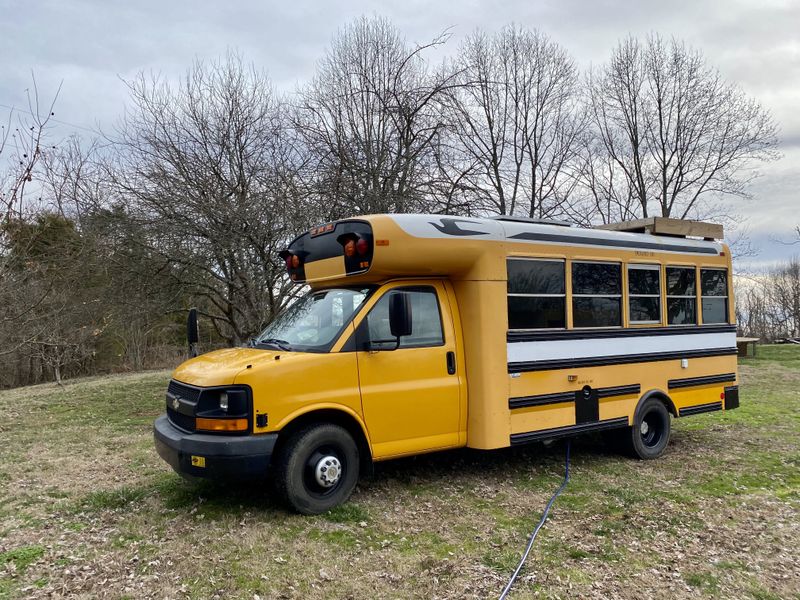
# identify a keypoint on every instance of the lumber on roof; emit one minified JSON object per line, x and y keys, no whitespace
{"x":668,"y":226}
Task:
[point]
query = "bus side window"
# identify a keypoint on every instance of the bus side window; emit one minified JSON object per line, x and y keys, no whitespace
{"x":536,"y":294}
{"x":681,"y":296}
{"x":426,"y":320}
{"x":596,"y":294}
{"x":644,"y":292}
{"x":714,"y":289}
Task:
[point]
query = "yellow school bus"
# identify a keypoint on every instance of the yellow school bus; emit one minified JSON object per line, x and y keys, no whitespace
{"x":428,"y":332}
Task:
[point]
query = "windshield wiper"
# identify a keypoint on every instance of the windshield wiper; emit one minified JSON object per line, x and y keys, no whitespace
{"x":276,"y":343}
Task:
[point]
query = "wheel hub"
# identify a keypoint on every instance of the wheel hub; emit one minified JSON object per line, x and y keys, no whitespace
{"x":645,"y":428}
{"x":328,"y":471}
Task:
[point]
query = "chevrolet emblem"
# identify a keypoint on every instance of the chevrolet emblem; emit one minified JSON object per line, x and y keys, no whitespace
{"x":175,"y":403}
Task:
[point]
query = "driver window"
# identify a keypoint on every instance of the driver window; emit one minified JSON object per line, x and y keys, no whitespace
{"x":426,"y":320}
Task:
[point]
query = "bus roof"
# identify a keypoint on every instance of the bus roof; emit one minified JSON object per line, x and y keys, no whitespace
{"x":402,"y":245}
{"x":443,"y":227}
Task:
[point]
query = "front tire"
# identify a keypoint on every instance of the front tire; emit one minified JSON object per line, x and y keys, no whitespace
{"x":317,"y":469}
{"x":649,"y":436}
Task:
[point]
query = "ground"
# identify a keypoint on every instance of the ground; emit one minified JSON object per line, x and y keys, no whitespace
{"x":87,"y":510}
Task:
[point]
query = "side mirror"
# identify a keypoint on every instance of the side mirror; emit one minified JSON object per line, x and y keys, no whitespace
{"x":400,"y":321}
{"x":192,"y":332}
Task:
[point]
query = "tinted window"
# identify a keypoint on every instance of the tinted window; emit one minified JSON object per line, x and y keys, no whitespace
{"x":536,"y":294}
{"x":714,"y":282}
{"x":596,"y":294}
{"x":680,"y":281}
{"x":426,"y":321}
{"x":535,"y":277}
{"x":596,"y":311}
{"x":531,"y":312}
{"x":681,"y":296}
{"x":643,"y":281}
{"x":644,"y":309}
{"x":644,"y":293}
{"x":681,"y":311}
{"x":596,"y":278}
{"x":714,"y":287}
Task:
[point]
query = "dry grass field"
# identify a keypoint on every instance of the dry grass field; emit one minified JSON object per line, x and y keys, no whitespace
{"x":88,"y":510}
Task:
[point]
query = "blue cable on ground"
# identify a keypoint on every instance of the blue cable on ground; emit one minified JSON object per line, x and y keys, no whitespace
{"x":511,"y":581}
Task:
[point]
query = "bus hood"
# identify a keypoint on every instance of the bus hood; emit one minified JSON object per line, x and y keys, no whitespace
{"x":220,"y":367}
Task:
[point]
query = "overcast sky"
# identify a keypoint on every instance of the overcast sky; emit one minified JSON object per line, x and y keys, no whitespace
{"x":91,"y":46}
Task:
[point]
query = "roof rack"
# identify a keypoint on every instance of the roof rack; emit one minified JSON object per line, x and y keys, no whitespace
{"x":669,"y":227}
{"x":513,"y":219}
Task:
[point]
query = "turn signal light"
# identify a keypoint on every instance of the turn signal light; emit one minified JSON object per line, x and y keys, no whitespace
{"x":221,"y":424}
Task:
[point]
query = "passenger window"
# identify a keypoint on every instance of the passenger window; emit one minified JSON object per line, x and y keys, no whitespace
{"x":714,"y":289}
{"x":681,"y":296}
{"x":596,"y":294}
{"x":536,"y":294}
{"x":644,"y":293}
{"x":426,"y":320}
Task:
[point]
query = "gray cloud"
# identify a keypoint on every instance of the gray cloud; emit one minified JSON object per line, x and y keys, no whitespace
{"x":92,"y":44}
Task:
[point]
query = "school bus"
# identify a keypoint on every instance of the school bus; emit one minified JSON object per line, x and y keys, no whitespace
{"x":427,"y":332}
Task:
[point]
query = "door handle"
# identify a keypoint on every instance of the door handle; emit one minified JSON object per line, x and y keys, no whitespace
{"x":451,"y":363}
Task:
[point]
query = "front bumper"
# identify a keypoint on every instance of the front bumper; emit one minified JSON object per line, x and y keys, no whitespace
{"x":225,"y":457}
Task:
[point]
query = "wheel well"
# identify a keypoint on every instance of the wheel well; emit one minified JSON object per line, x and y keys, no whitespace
{"x":661,"y":396}
{"x":337,"y":417}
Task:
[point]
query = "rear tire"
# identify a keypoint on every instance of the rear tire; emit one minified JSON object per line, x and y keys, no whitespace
{"x":317,"y":469}
{"x":649,"y":436}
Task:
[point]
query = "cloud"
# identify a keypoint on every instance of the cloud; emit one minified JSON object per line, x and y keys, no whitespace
{"x":91,"y":45}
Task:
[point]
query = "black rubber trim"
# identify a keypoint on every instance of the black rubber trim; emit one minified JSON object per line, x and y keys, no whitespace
{"x":561,"y":397}
{"x":694,"y":381}
{"x":598,"y":361}
{"x":636,"y":245}
{"x":541,"y":400}
{"x":620,"y":390}
{"x":557,"y":432}
{"x":700,"y":408}
{"x":593,"y":334}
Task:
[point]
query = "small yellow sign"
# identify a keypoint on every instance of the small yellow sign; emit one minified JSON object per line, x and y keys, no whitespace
{"x":198,"y":461}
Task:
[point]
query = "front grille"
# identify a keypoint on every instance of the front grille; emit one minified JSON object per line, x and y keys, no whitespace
{"x":185,"y":422}
{"x":184,"y":391}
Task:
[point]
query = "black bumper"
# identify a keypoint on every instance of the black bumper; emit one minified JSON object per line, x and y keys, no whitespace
{"x":225,"y":457}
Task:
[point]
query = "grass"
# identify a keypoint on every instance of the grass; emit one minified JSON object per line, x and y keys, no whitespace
{"x":88,"y":509}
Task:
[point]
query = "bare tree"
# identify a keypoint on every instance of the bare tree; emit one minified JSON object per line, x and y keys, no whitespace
{"x":209,"y":169}
{"x":784,"y":292}
{"x":23,"y":145}
{"x":768,"y":304}
{"x":371,"y":120}
{"x":516,"y":121}
{"x":670,"y":133}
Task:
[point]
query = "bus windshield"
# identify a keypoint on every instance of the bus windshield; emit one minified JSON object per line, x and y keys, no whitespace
{"x":313,"y":323}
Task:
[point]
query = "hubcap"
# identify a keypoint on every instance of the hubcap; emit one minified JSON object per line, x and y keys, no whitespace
{"x":645,"y":428}
{"x":328,"y":471}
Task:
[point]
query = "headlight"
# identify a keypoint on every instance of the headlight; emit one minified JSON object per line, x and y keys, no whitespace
{"x":223,"y":401}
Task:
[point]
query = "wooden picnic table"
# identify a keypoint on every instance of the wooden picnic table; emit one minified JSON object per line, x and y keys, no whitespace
{"x":745,"y":344}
